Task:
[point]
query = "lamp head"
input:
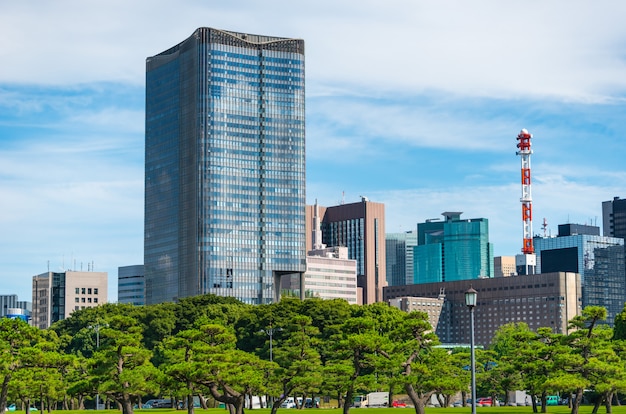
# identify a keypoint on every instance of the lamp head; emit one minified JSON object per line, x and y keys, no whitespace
{"x":470,"y":297}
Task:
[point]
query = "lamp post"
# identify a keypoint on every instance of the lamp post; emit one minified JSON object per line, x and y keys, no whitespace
{"x":270,"y":332}
{"x":470,"y":302}
{"x":96,"y":327}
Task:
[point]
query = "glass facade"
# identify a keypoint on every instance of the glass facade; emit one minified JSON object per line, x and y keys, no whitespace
{"x":348,"y":233}
{"x":598,"y":259}
{"x":454,"y":249}
{"x":399,"y":251}
{"x":225,"y":166}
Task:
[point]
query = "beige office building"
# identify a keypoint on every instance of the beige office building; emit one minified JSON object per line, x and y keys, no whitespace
{"x":504,"y":266}
{"x":331,"y":275}
{"x":430,"y":306}
{"x":56,"y":295}
{"x":542,"y":300}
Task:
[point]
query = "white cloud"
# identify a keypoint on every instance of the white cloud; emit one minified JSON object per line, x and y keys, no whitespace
{"x":562,"y":50}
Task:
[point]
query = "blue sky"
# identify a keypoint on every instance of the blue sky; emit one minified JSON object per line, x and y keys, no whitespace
{"x":415,"y":104}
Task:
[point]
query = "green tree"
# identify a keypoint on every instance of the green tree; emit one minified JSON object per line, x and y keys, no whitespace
{"x":576,"y":367}
{"x":418,"y":361}
{"x":226,"y":372}
{"x":122,"y":365}
{"x":299,"y":364}
{"x":505,"y":344}
{"x":17,"y":341}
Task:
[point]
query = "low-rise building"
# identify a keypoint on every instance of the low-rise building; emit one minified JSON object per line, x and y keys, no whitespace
{"x":57,"y":294}
{"x":540,"y":300}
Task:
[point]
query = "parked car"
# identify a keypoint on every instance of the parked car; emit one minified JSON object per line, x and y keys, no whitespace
{"x":290,"y":402}
{"x":312,"y":403}
{"x":484,"y":402}
{"x":398,"y":404}
{"x":12,"y":407}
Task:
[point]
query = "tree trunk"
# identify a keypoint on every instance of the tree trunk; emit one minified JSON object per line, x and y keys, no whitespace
{"x":597,"y":404}
{"x":4,"y":391}
{"x":577,"y":400}
{"x":349,"y":398}
{"x":126,"y":403}
{"x":608,"y":400}
{"x":190,"y":407}
{"x":544,"y":402}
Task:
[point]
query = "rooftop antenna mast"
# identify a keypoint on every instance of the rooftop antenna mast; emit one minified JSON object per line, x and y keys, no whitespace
{"x":526,"y":262}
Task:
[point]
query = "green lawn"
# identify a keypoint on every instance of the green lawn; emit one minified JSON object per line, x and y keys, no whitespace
{"x":585,"y":409}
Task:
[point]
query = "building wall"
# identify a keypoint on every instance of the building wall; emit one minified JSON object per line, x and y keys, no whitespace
{"x":614,"y":218}
{"x":361,"y":228}
{"x":10,"y":302}
{"x":7,"y":302}
{"x":330,"y":276}
{"x":463,"y":246}
{"x":57,"y":294}
{"x":432,"y":307}
{"x":546,"y":300}
{"x":225,"y":166}
{"x":504,"y":266}
{"x":399,"y":257}
{"x":428,"y":263}
{"x":598,"y":259}
{"x":131,"y":285}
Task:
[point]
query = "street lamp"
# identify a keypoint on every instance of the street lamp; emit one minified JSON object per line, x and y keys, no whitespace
{"x":97,"y":329}
{"x":270,"y":332}
{"x":470,"y":302}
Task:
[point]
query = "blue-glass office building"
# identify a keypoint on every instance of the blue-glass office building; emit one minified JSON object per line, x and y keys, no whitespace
{"x":598,"y":259}
{"x":453,"y":249}
{"x":225,"y":166}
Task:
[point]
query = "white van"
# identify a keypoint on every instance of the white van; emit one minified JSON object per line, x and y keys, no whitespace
{"x":288,"y":403}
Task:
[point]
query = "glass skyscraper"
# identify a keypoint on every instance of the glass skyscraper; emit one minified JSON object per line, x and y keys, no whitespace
{"x":225,"y":166}
{"x":453,"y":249}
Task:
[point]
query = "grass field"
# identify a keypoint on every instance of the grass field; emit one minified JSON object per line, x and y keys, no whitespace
{"x":585,"y":409}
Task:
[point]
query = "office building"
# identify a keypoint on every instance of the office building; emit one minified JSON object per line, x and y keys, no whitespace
{"x":399,"y":251}
{"x":57,"y":294}
{"x":131,"y":285}
{"x":10,"y":305}
{"x":331,"y":275}
{"x":452,"y":249}
{"x":225,"y":167}
{"x":540,"y":300}
{"x":432,"y":307}
{"x":504,"y":266}
{"x":598,"y":259}
{"x":614,"y":218}
{"x":361,"y":228}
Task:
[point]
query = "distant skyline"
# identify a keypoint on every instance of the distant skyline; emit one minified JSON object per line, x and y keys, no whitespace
{"x":413,"y":104}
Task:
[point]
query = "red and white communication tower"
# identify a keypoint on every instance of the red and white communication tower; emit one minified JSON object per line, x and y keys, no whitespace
{"x":526,"y":262}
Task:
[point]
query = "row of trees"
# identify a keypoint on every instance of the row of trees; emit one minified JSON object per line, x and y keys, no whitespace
{"x":216,"y":347}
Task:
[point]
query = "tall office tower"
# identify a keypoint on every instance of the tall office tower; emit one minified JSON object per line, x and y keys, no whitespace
{"x":598,"y":259}
{"x":614,"y":218}
{"x":225,"y":167}
{"x":131,"y":285}
{"x":453,"y":249}
{"x":399,"y":250}
{"x":57,"y":294}
{"x":361,"y":228}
